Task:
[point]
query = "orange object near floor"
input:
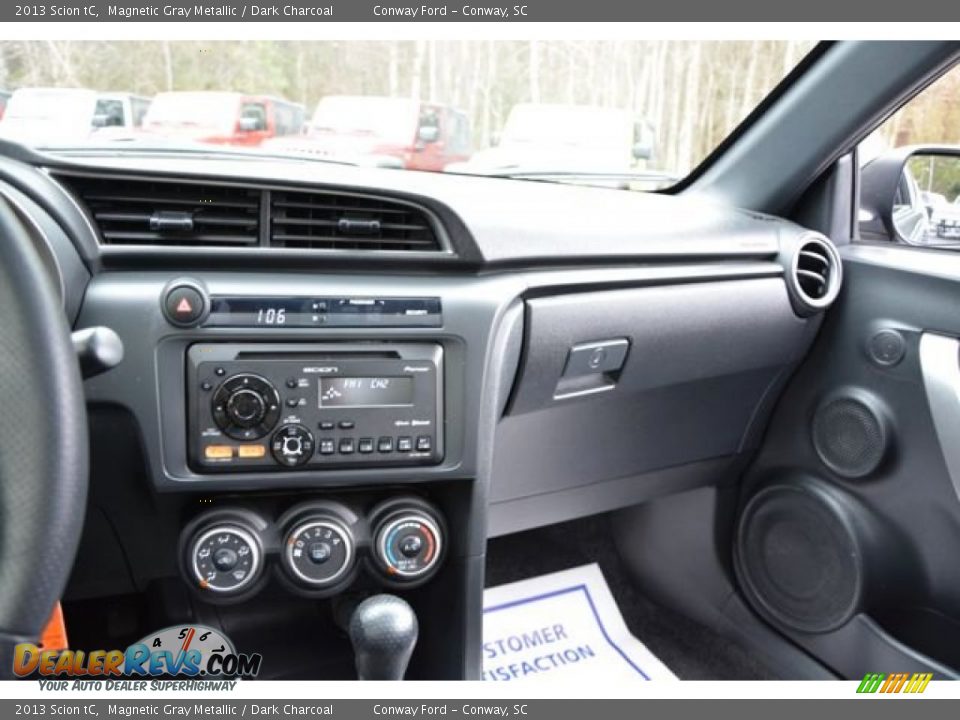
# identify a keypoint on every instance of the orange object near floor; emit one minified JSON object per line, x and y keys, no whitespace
{"x":54,"y":636}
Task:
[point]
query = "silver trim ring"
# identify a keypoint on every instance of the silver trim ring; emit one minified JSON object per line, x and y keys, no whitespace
{"x":244,"y":535}
{"x":330,"y":524}
{"x":420,"y":517}
{"x":834,"y":281}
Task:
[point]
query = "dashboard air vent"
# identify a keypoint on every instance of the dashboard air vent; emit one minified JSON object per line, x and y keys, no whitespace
{"x":815,"y":273}
{"x":131,"y":211}
{"x":327,"y":221}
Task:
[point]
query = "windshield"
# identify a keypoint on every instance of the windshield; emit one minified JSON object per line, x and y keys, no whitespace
{"x":633,"y":115}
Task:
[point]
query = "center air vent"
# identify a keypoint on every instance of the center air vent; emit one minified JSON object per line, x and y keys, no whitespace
{"x":319,"y":220}
{"x":156,"y":212}
{"x":815,"y":274}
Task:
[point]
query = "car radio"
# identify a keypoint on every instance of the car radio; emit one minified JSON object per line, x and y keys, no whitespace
{"x":313,"y":406}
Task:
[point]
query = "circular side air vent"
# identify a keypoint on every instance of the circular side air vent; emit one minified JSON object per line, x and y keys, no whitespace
{"x":815,"y":274}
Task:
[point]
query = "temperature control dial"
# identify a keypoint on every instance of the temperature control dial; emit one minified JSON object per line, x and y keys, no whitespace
{"x":225,"y":559}
{"x":408,"y":545}
{"x":246,"y":407}
{"x":319,"y":552}
{"x":292,"y":445}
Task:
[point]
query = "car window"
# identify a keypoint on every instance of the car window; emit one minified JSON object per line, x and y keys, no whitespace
{"x":109,"y":113}
{"x":649,"y":111}
{"x":256,"y":113}
{"x":916,"y":152}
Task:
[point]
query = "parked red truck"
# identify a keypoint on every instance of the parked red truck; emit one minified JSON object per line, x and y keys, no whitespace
{"x":222,"y":118}
{"x":385,"y":131}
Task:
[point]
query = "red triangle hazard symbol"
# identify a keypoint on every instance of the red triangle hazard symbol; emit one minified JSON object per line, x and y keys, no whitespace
{"x":184,"y":306}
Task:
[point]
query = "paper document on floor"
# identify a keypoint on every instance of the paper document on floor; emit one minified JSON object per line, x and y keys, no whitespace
{"x":562,"y":625}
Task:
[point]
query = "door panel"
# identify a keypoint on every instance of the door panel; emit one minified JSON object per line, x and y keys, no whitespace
{"x":848,"y":534}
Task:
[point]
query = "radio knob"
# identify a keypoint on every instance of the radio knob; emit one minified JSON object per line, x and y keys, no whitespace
{"x":292,"y":445}
{"x":246,"y":406}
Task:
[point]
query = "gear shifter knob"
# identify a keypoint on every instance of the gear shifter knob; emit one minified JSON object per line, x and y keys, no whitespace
{"x":383,"y":630}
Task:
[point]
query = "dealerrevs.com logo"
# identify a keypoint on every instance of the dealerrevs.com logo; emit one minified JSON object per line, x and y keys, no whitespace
{"x":184,"y":651}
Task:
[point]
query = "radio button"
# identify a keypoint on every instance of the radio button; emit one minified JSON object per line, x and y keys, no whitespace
{"x":218,"y":452}
{"x":385,"y":445}
{"x":346,"y":446}
{"x":365,"y":445}
{"x":423,"y":443}
{"x":251,"y":451}
{"x":346,"y":424}
{"x":292,"y":445}
{"x":327,"y":425}
{"x":404,"y":444}
{"x":327,"y":446}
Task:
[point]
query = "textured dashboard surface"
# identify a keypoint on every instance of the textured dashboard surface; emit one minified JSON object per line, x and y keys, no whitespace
{"x":506,"y":221}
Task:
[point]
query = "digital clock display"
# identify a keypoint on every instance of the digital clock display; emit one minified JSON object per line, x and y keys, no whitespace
{"x":287,"y":312}
{"x":366,"y":392}
{"x":271,"y":316}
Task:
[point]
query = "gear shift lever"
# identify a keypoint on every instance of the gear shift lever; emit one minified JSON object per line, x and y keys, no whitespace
{"x":383,"y":630}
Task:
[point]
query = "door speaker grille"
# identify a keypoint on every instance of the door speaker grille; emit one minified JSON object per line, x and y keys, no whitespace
{"x":850,"y":436}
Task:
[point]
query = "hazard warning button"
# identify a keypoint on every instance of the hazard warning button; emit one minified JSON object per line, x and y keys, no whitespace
{"x":184,"y":305}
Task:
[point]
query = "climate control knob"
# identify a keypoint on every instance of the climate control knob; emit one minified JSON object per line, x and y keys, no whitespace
{"x":292,"y":445}
{"x":224,"y":559}
{"x":319,"y":552}
{"x":246,"y":406}
{"x":408,"y":545}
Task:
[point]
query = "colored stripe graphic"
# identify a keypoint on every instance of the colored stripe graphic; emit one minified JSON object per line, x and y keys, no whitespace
{"x":894,"y":683}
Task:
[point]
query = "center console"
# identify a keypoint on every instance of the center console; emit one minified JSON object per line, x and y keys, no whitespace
{"x":309,"y":446}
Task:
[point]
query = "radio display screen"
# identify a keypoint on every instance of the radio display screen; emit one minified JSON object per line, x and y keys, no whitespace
{"x":287,"y":312}
{"x":366,"y":392}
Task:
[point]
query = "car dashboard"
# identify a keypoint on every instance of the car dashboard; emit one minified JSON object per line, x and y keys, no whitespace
{"x":326,"y":380}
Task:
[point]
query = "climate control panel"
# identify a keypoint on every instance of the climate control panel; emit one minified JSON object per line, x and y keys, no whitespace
{"x":316,"y":548}
{"x":312,"y":406}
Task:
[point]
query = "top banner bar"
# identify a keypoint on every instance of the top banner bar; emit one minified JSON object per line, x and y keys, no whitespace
{"x":474,"y":11}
